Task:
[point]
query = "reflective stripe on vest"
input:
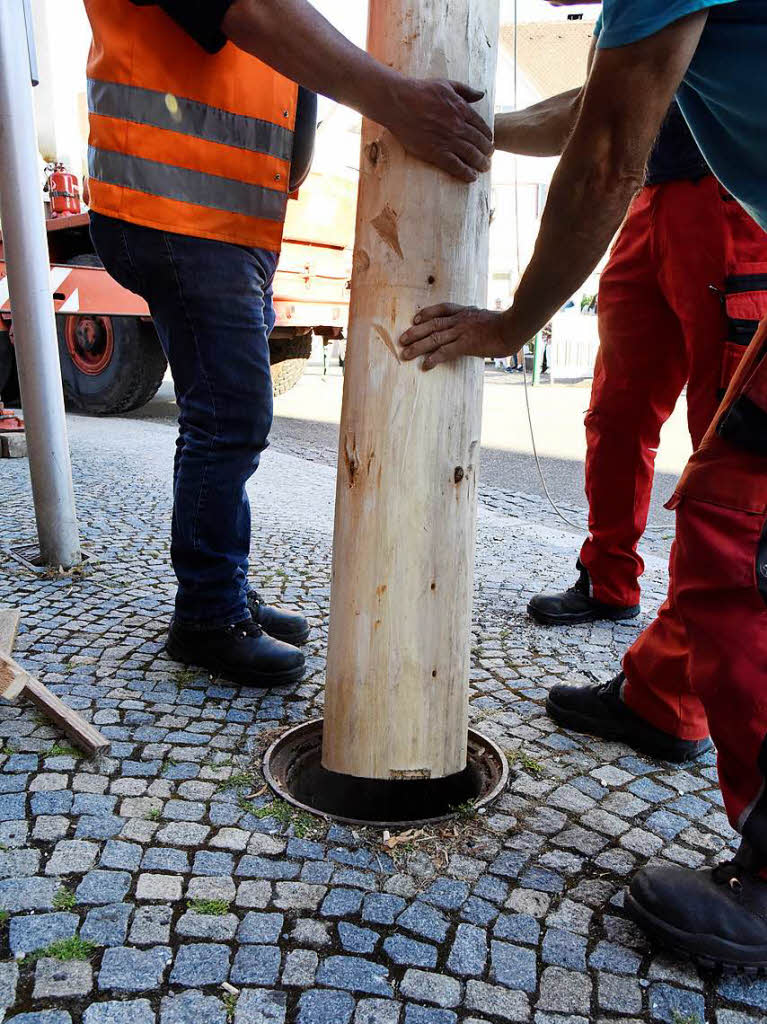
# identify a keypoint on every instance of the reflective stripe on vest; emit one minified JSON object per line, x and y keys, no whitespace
{"x":170,"y":182}
{"x":182,"y":140}
{"x":188,"y":117}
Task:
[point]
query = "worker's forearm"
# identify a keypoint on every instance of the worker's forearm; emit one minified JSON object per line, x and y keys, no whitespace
{"x":540,"y":130}
{"x":294,"y":38}
{"x":586,"y":206}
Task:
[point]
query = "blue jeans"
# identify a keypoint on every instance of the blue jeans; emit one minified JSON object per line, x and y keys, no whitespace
{"x":211,"y":303}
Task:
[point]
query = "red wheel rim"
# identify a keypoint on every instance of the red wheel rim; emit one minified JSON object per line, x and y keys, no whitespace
{"x":90,"y":342}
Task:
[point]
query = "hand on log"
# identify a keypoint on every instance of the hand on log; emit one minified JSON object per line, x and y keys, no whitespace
{"x":446,"y":332}
{"x":434,"y":120}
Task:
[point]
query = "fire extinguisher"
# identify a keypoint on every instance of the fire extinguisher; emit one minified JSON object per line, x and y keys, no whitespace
{"x":63,"y":191}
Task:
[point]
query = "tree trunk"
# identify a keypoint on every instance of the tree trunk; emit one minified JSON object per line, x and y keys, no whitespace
{"x":400,"y":621}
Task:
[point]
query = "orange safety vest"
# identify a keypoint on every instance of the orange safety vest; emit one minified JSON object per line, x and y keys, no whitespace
{"x":182,"y":140}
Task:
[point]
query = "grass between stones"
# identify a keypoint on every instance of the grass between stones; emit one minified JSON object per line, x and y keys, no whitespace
{"x":62,"y":750}
{"x":73,"y":948}
{"x":64,"y":899}
{"x":230,"y":1002}
{"x":519,"y":757}
{"x":213,"y":908}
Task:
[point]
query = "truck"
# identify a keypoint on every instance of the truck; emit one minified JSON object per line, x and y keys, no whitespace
{"x":111,"y":358}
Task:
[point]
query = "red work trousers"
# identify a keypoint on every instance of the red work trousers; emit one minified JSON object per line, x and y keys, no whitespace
{"x":661,"y":325}
{"x":702,"y":665}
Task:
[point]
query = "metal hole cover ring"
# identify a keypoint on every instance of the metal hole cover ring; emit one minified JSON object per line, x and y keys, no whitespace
{"x":293,"y":769}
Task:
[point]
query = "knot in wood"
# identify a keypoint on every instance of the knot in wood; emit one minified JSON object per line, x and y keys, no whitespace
{"x":459,"y":474}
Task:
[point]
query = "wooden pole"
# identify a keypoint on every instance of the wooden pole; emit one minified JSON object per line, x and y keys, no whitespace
{"x":398,"y":657}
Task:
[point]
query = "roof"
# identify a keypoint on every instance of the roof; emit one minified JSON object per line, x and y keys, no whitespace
{"x":552,"y":54}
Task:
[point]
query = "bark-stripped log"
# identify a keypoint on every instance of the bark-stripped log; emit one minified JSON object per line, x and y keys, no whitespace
{"x":398,"y":658}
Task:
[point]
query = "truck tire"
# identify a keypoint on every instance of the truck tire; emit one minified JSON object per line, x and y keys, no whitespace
{"x":109,"y":364}
{"x":7,"y":368}
{"x":288,"y":357}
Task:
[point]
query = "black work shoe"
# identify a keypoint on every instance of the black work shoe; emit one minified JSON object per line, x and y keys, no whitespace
{"x":242,"y":653}
{"x":290,"y":627}
{"x":576,"y":605}
{"x":598,"y":709}
{"x":718,"y":917}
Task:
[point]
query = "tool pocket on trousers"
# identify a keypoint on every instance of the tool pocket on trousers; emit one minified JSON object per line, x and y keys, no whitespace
{"x":745,"y":304}
{"x":744,"y":422}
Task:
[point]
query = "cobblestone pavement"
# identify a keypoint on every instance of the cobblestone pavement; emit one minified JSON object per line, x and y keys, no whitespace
{"x":134,"y":888}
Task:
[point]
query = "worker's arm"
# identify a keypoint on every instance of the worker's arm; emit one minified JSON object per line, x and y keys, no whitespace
{"x":540,"y":130}
{"x":544,"y":128}
{"x":627,"y":96}
{"x":432,"y":119}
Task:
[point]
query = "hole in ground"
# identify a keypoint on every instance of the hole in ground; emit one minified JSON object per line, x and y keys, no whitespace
{"x":294,"y":771}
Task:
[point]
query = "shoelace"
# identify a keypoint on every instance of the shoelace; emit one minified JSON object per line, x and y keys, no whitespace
{"x":246,"y":629}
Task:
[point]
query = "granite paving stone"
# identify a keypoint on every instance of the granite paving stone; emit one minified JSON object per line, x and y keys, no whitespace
{"x":204,"y":963}
{"x":9,"y":979}
{"x":355,"y":975}
{"x":564,"y":991}
{"x":668,"y":1003}
{"x":424,"y":921}
{"x":18,"y":894}
{"x":192,"y":1008}
{"x":426,"y":1015}
{"x":36,"y":931}
{"x":355,"y":939}
{"x":260,"y":1006}
{"x":130,"y":1011}
{"x":256,"y":965}
{"x":151,"y":926}
{"x":427,"y":987}
{"x":404,"y":950}
{"x":325,"y":1008}
{"x":99,"y":887}
{"x":619,"y":993}
{"x":468,"y":954}
{"x":497,"y":1001}
{"x":57,"y":980}
{"x":107,"y":925}
{"x":377,"y":1011}
{"x":217,"y":928}
{"x":132,"y":970}
{"x":564,"y":949}
{"x":261,"y":928}
{"x":300,"y":968}
{"x":513,"y":966}
{"x":382,"y":908}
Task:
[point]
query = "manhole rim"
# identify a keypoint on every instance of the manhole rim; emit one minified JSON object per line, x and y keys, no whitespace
{"x":298,"y":732}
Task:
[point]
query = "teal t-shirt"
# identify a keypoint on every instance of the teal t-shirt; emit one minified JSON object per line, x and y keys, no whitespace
{"x":724,"y":94}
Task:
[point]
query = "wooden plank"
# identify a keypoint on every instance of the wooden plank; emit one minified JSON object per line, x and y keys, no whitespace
{"x":403,"y":555}
{"x":79,"y":731}
{"x":17,"y":682}
{"x":13,"y":678}
{"x":9,"y":624}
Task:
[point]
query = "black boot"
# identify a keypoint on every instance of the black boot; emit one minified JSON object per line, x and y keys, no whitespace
{"x":718,"y":917}
{"x":598,"y":709}
{"x":576,"y":605}
{"x":289,"y":627}
{"x":242,"y":653}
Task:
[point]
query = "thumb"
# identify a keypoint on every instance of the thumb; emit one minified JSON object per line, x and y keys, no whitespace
{"x":467,"y":92}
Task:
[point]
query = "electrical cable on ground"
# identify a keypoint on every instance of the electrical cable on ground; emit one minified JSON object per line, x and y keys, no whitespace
{"x":555,"y":507}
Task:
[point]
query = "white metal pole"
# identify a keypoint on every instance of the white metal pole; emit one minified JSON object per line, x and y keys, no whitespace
{"x":26,"y":255}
